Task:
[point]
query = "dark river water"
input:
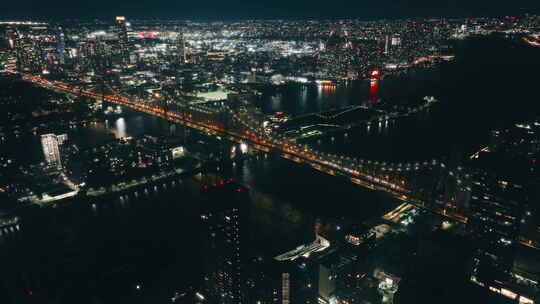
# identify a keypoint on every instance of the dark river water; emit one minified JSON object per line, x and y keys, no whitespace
{"x":97,"y":251}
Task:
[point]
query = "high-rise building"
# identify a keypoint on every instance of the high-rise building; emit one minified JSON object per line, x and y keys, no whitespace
{"x":181,"y":47}
{"x":262,"y":284}
{"x":51,"y":149}
{"x":18,"y":46}
{"x":29,"y":54}
{"x":123,"y":41}
{"x":221,"y":216}
{"x":496,"y":209}
{"x":293,"y":282}
{"x":96,"y":56}
{"x":61,"y":51}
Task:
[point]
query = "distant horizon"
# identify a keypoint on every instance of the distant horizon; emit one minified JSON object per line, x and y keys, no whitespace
{"x":211,"y":10}
{"x":110,"y":18}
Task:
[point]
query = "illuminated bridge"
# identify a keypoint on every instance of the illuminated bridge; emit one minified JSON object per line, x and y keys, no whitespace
{"x":413,"y":182}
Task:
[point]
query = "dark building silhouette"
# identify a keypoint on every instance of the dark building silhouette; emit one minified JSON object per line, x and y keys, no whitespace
{"x":222,"y":209}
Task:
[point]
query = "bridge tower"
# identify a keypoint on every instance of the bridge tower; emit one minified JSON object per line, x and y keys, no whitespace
{"x":162,"y":102}
{"x":105,"y":82}
{"x":171,"y":102}
{"x":102,"y":89}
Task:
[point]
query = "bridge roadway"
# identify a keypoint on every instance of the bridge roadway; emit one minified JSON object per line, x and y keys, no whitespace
{"x":323,"y":114}
{"x":288,"y":150}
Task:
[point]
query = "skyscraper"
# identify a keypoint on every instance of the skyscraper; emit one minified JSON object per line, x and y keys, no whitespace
{"x":181,"y":47}
{"x":121,"y":28}
{"x":29,"y":54}
{"x":61,"y":46}
{"x":19,"y":51}
{"x":496,"y":208}
{"x":220,"y":218}
{"x":51,"y":149}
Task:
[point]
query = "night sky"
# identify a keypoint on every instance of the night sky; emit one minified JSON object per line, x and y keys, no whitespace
{"x":245,"y":9}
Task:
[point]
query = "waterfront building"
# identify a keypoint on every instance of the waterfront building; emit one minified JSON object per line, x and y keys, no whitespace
{"x":221,"y":215}
{"x":496,"y":210}
{"x":495,"y":219}
{"x":51,"y":149}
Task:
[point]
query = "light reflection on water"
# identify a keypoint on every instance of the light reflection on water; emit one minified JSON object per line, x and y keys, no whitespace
{"x":275,"y":103}
{"x":120,"y":128}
